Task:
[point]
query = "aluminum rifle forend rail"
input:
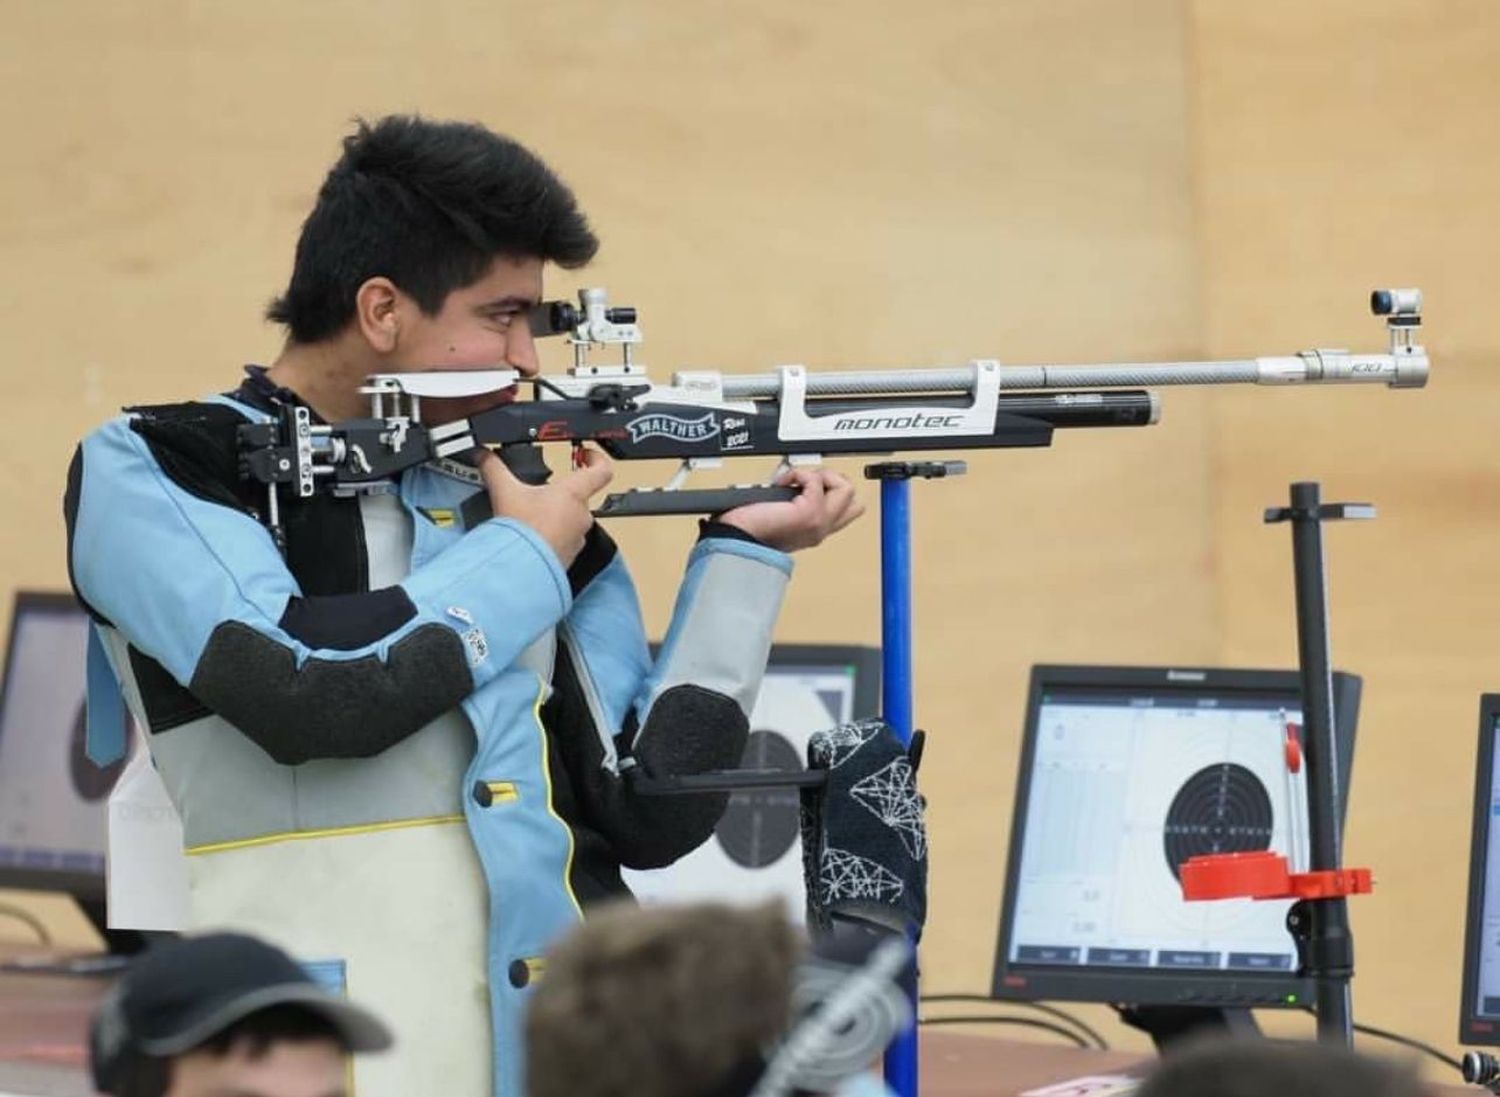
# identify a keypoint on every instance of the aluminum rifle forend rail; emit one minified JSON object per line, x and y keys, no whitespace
{"x":793,"y":414}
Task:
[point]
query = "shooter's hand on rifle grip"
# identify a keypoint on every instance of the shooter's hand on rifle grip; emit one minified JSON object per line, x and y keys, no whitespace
{"x":825,"y":504}
{"x":558,"y":510}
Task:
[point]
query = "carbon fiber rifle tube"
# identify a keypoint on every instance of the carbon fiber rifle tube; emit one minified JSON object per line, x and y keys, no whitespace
{"x":1312,"y":367}
{"x":961,"y":379}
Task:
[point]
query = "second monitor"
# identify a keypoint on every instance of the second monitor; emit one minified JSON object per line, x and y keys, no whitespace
{"x":1125,"y":773}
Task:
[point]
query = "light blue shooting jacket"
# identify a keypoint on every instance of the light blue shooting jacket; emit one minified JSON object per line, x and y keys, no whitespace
{"x":325,"y":808}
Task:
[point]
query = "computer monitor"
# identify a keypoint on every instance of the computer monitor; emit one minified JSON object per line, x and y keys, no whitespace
{"x":53,"y":800}
{"x":756,"y":849}
{"x":1125,"y":773}
{"x":1479,"y":1008}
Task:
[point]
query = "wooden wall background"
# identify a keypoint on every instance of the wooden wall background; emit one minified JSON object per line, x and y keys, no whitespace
{"x":1336,"y":143}
{"x":848,"y":184}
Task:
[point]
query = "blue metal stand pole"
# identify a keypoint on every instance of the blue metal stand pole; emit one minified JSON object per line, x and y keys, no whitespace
{"x":896,"y":703}
{"x":896,"y":691}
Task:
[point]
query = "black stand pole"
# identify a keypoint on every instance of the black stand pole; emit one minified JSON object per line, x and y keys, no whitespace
{"x":1321,"y":926}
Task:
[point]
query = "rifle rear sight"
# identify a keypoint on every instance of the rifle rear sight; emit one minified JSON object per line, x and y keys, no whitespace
{"x":590,"y":323}
{"x":1402,"y":309}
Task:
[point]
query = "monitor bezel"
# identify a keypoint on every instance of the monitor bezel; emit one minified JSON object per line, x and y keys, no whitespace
{"x":87,"y":887}
{"x":1473,"y":1027}
{"x":1035,"y":982}
{"x":866,"y":662}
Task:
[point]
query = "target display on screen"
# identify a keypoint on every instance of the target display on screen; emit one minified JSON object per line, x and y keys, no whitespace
{"x":1128,"y":773}
{"x":1220,"y":809}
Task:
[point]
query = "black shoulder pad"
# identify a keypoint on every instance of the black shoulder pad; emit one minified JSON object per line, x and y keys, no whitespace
{"x":197,"y":445}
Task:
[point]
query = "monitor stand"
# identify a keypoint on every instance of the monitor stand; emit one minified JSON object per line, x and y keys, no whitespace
{"x":1168,"y":1026}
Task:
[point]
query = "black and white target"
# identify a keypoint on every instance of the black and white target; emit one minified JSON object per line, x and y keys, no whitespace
{"x":1196,"y":783}
{"x":1222,"y":808}
{"x":759,"y":827}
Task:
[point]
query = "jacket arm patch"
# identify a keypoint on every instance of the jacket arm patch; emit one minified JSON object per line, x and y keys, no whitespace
{"x":690,"y":730}
{"x":327,"y":708}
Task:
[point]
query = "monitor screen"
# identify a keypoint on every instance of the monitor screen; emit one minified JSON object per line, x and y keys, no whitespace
{"x":53,"y":800}
{"x":1125,"y":774}
{"x":1479,"y":1009}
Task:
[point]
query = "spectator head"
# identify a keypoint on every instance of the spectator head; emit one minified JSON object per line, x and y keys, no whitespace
{"x":225,"y":1013}
{"x":672,"y":1001}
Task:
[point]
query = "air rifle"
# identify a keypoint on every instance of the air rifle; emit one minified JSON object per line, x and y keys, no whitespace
{"x":792,"y":414}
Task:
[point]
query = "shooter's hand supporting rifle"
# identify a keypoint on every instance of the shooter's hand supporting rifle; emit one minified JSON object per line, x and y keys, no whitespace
{"x":824,"y":504}
{"x":559,"y":509}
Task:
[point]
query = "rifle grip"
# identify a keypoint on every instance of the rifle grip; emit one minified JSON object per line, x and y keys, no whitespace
{"x":524,"y":459}
{"x":525,"y":463}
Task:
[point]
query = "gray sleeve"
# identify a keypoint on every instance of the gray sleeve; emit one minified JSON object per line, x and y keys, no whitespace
{"x":692,"y":714}
{"x":722,"y":626}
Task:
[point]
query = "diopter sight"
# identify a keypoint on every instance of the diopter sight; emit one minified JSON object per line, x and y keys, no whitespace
{"x":592,"y":322}
{"x":1402,"y":309}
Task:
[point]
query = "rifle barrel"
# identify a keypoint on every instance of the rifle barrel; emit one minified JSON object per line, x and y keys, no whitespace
{"x":1314,"y":367}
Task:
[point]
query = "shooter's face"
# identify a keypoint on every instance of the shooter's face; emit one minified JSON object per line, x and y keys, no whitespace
{"x":481,"y":326}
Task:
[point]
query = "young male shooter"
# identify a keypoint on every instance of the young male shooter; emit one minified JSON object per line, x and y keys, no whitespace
{"x":404,"y":746}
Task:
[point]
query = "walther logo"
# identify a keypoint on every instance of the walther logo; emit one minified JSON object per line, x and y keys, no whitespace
{"x":916,"y":421}
{"x":671,"y":426}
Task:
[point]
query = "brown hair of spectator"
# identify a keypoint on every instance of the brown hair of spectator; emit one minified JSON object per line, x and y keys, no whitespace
{"x":1273,"y":1068}
{"x":667,"y":1001}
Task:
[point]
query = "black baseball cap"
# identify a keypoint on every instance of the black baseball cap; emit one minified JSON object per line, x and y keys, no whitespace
{"x":180,"y":995}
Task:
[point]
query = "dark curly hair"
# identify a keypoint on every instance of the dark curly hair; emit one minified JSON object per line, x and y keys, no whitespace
{"x":429,"y":205}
